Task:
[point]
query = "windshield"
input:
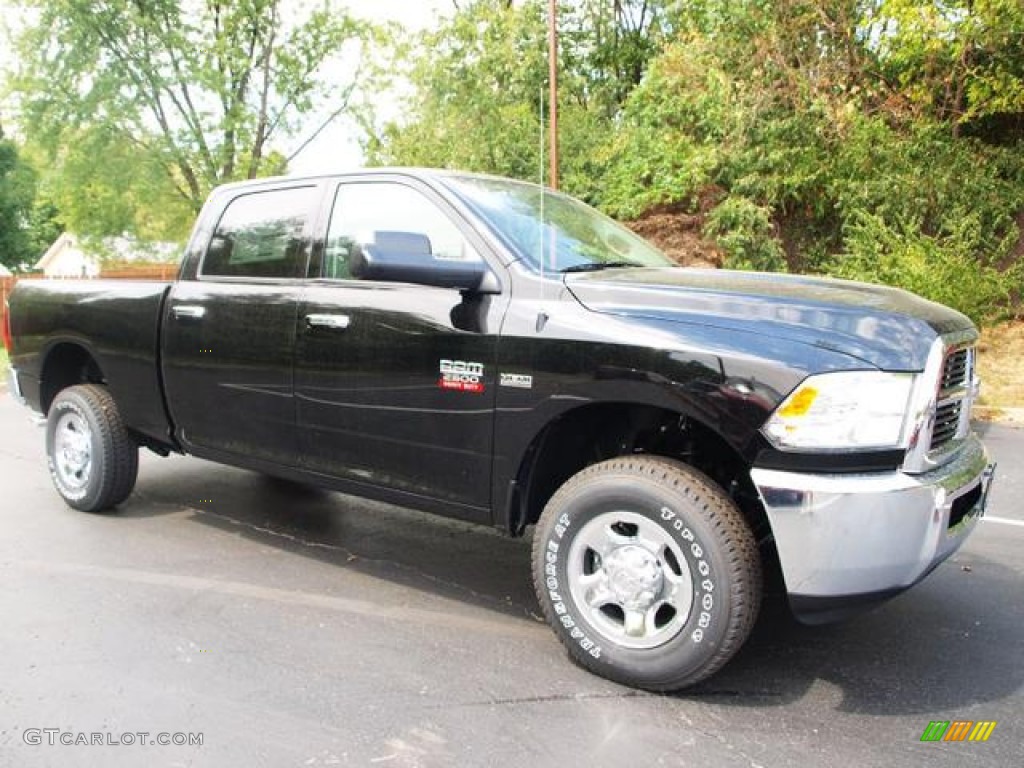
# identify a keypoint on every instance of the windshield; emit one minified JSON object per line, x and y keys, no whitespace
{"x":540,"y":224}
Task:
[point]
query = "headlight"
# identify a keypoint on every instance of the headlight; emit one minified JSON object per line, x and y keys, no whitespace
{"x":844,"y":411}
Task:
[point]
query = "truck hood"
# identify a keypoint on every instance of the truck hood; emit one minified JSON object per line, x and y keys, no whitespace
{"x":885,"y":327}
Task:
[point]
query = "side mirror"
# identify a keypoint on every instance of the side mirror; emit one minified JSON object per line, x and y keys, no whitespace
{"x":406,"y":257}
{"x":218,"y":255}
{"x":220,"y":246}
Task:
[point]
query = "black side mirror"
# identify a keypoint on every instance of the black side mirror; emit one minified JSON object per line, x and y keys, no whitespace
{"x":406,"y":257}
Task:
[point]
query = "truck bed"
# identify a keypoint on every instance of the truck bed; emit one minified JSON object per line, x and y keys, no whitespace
{"x":118,"y":321}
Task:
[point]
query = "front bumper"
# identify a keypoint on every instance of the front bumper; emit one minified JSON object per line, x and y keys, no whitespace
{"x":847,"y":541}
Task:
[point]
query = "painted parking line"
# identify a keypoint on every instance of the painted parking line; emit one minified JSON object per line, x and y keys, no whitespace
{"x":1004,"y":521}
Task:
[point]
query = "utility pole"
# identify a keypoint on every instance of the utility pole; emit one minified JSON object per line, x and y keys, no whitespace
{"x":553,"y":91}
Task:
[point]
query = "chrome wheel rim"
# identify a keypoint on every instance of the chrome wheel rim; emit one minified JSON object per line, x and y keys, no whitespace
{"x":72,"y":451}
{"x":631,"y":580}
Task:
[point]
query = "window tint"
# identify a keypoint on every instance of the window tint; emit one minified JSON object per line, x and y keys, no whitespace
{"x":385,"y":212}
{"x":262,"y":234}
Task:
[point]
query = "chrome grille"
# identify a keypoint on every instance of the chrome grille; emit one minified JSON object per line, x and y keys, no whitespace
{"x":941,"y":403}
{"x":956,"y":369}
{"x":947,"y":422}
{"x":955,"y":390}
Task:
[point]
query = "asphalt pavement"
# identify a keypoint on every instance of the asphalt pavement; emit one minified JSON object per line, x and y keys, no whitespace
{"x":284,"y":626}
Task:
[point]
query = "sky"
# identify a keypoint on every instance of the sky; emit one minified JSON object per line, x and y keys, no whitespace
{"x":337,"y":147}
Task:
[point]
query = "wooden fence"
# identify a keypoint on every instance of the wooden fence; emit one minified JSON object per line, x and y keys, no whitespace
{"x":148,"y":272}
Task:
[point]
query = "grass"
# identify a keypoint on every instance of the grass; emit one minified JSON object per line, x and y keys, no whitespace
{"x":3,"y":365}
{"x":1001,"y":367}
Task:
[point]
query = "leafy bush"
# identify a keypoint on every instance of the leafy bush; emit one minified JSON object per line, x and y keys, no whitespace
{"x":744,"y":230}
{"x":819,"y":183}
{"x":671,"y":141}
{"x":942,"y":268}
{"x":929,"y":213}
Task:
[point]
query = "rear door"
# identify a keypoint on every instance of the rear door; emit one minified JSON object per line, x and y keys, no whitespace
{"x":229,"y":329}
{"x":395,"y":383}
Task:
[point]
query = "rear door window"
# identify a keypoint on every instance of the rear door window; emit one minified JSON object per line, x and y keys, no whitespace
{"x":262,"y":235}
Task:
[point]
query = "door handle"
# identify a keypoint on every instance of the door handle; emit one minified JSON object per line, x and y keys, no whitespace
{"x":328,"y":322}
{"x":189,"y":312}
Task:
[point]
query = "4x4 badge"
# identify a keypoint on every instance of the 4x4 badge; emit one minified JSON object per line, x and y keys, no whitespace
{"x":518,"y":380}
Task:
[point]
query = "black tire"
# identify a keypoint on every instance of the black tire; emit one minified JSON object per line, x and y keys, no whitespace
{"x":93,"y":461}
{"x":678,"y":587}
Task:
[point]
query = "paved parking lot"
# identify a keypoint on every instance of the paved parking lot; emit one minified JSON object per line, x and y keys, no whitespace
{"x":291,"y":627}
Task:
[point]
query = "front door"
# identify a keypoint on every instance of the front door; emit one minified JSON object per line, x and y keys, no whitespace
{"x":395,"y":382}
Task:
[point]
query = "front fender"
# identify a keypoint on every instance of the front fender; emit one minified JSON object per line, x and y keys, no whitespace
{"x":555,"y":358}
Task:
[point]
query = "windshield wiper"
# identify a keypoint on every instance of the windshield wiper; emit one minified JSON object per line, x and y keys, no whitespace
{"x":597,"y":266}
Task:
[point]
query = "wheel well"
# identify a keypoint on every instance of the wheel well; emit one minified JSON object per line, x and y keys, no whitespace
{"x":66,"y":365}
{"x":594,"y":433}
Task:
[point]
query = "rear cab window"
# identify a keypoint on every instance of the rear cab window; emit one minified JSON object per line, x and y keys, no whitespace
{"x":262,"y":235}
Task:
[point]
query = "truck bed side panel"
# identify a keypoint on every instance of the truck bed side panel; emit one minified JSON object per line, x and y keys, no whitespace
{"x":117,"y":321}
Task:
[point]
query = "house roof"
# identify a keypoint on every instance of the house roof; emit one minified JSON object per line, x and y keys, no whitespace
{"x":118,"y":249}
{"x":66,"y":240}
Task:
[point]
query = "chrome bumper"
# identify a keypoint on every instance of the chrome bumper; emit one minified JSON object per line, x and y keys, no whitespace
{"x":849,"y":540}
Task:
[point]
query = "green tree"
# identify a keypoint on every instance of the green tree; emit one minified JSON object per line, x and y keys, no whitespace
{"x":104,"y":186}
{"x":17,"y":196}
{"x":477,"y":83}
{"x":200,"y":91}
{"x":959,"y":62}
{"x":480,"y":83}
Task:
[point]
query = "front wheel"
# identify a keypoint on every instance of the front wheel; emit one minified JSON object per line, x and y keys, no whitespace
{"x":647,"y":571}
{"x":92,"y":459}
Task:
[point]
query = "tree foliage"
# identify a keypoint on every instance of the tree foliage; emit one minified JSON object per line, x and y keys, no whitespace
{"x":876,"y":139}
{"x":480,"y":85}
{"x":477,"y":82}
{"x":27,"y":224}
{"x":17,"y":193}
{"x":140,"y":101}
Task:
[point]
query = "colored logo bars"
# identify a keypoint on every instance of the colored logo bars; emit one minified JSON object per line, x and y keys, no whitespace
{"x":958,"y":730}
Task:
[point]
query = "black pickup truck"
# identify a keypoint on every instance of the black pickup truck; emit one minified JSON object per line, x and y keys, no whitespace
{"x":495,"y":352}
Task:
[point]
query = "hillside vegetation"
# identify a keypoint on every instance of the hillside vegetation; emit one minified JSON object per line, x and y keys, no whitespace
{"x":876,"y":139}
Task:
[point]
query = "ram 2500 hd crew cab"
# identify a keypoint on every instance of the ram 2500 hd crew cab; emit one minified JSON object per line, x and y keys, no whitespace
{"x":487,"y":350}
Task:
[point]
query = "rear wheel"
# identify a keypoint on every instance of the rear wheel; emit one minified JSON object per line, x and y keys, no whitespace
{"x":93,"y":461}
{"x":647,"y":572}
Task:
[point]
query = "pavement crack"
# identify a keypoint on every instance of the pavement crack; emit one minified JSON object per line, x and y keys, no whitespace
{"x":727,"y":744}
{"x":558,"y":698}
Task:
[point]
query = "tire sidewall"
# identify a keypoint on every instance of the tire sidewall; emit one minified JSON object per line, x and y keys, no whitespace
{"x":697,"y":642}
{"x":86,"y":497}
